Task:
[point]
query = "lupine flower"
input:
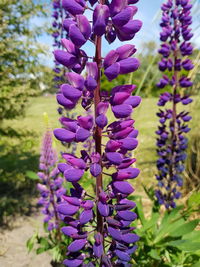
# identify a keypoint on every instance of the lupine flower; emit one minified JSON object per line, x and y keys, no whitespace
{"x":99,"y":225}
{"x":50,"y":186}
{"x":58,"y":15}
{"x":171,"y":141}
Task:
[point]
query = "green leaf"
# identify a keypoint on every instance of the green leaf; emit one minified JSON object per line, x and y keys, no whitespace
{"x":194,"y":200}
{"x":185,"y":228}
{"x":154,"y":254}
{"x":32,"y":175}
{"x":185,"y":245}
{"x":31,"y":241}
{"x":196,"y":264}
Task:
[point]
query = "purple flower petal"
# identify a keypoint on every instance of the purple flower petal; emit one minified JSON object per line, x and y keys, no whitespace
{"x":69,"y":230}
{"x":122,"y":111}
{"x":122,"y":255}
{"x":130,"y":238}
{"x":95,"y":169}
{"x":101,"y":121}
{"x":103,"y":209}
{"x":112,"y":71}
{"x":127,"y":215}
{"x":76,"y":80}
{"x":86,"y":122}
{"x":64,"y":135}
{"x":77,"y":245}
{"x":129,"y":65}
{"x":76,"y":36}
{"x":115,"y":233}
{"x":67,"y":209}
{"x":86,"y":216}
{"x":65,"y":102}
{"x":73,"y":175}
{"x":123,"y":17}
{"x":100,"y":19}
{"x":74,"y":262}
{"x":134,"y":101}
{"x":114,"y":157}
{"x":129,"y":143}
{"x":123,"y":187}
{"x":71,"y":92}
{"x":82,"y":134}
{"x":98,"y":250}
{"x":65,"y":58}
{"x":72,"y":7}
{"x":84,"y":26}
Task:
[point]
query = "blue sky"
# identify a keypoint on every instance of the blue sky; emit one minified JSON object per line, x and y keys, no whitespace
{"x":148,"y":12}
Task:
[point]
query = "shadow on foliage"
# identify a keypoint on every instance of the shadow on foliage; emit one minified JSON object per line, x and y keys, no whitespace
{"x":17,"y":156}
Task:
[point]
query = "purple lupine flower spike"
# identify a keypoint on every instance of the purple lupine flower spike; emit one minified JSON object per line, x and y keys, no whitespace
{"x":106,"y":216}
{"x":50,"y":186}
{"x":171,"y":141}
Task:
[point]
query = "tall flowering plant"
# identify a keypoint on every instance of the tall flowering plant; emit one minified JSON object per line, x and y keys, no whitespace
{"x":50,"y":186}
{"x":171,"y":142}
{"x":99,"y":225}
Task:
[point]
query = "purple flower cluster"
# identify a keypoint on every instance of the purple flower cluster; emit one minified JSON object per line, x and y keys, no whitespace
{"x":171,"y":142}
{"x":50,"y":186}
{"x":58,"y":16}
{"x":99,"y":226}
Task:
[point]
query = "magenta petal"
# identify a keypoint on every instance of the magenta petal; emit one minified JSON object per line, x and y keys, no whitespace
{"x":103,"y":209}
{"x":113,"y":145}
{"x":128,"y":65}
{"x":74,"y":262}
{"x":69,"y":230}
{"x":72,"y":7}
{"x":98,"y":250}
{"x":67,"y":209}
{"x":76,"y":36}
{"x":102,"y":107}
{"x":71,"y":92}
{"x":100,"y":19}
{"x":64,"y":135}
{"x":76,"y":80}
{"x":101,"y":121}
{"x":122,"y":111}
{"x":134,"y":101}
{"x":84,"y":26}
{"x":114,"y":157}
{"x":115,"y":233}
{"x":77,"y":245}
{"x":67,"y":23}
{"x":130,"y":238}
{"x":95,"y":169}
{"x":85,"y":121}
{"x":110,"y":58}
{"x":123,"y":187}
{"x":63,"y":167}
{"x":120,"y":97}
{"x":86,"y":216}
{"x":82,"y":134}
{"x":125,"y":51}
{"x":92,"y":69}
{"x":113,"y":71}
{"x":127,"y":215}
{"x":73,"y":175}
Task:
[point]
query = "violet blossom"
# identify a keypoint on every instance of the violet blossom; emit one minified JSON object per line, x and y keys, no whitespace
{"x":171,"y":142}
{"x":100,"y":225}
{"x":50,"y":186}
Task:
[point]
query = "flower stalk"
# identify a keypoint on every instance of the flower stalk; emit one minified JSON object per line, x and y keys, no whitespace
{"x":172,"y":143}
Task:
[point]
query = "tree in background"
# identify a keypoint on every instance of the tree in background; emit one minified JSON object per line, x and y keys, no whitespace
{"x":19,"y":55}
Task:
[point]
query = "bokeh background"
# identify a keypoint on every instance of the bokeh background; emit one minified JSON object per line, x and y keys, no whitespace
{"x":27,"y":91}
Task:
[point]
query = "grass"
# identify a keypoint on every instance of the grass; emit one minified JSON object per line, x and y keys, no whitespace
{"x":146,"y":123}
